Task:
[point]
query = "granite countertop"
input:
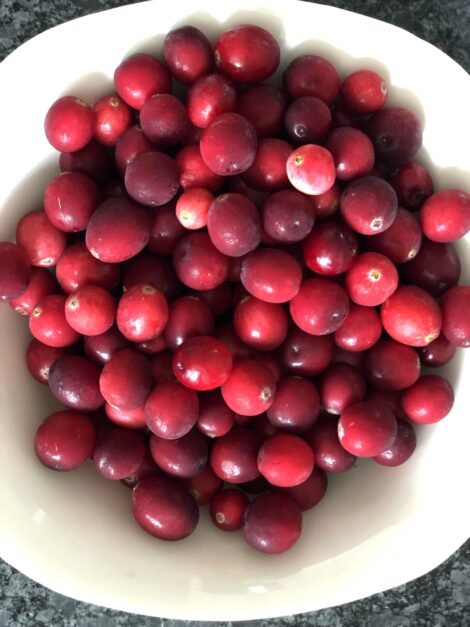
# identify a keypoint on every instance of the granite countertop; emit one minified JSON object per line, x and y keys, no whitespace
{"x":440,"y":598}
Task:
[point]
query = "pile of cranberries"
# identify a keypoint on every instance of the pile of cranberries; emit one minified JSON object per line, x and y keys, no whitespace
{"x":233,"y":293}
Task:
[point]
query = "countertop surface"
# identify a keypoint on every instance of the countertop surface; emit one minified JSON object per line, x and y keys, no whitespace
{"x":439,"y":599}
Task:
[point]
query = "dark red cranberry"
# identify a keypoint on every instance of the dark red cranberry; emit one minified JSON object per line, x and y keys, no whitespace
{"x":112,"y":117}
{"x":188,"y":54}
{"x":65,"y":440}
{"x":48,"y":324}
{"x":152,"y":347}
{"x":188,"y":316}
{"x":402,"y":447}
{"x":413,"y":185}
{"x":455,"y":306}
{"x":166,"y":230}
{"x":326,"y":204}
{"x":288,"y":216}
{"x":163,"y":508}
{"x":401,"y":241}
{"x":140,"y":76}
{"x":271,"y":275}
{"x":233,"y":456}
{"x":215,"y":417}
{"x":100,"y":348}
{"x":40,"y":359}
{"x":329,"y":455}
{"x":428,"y":400}
{"x":307,"y":120}
{"x":247,"y":54}
{"x":147,"y":468}
{"x":342,"y":116}
{"x":70,"y":200}
{"x":219,"y":299}
{"x":209,"y":97}
{"x":128,"y":418}
{"x":360,"y":330}
{"x":227,"y":334}
{"x":445,"y":216}
{"x":330,"y":249}
{"x":162,"y":367}
{"x":142,"y":313}
{"x":132,"y":142}
{"x":259,"y":324}
{"x":341,"y":386}
{"x":77,"y":268}
{"x":40,"y":240}
{"x":352,"y":152}
{"x":341,"y":356}
{"x":320,"y":307}
{"x":257,"y":486}
{"x":193,"y":172}
{"x":228,"y":144}
{"x":263,"y":105}
{"x":198,"y":263}
{"x":171,"y":410}
{"x":233,"y":224}
{"x":204,"y":486}
{"x":74,"y":381}
{"x":15,"y":271}
{"x":184,"y":457}
{"x":192,"y":208}
{"x":146,"y":188}
{"x":263,"y":427}
{"x":311,"y":169}
{"x":369,"y":205}
{"x":91,"y":310}
{"x":250,"y":388}
{"x":118,"y":453}
{"x":371,"y":280}
{"x":163,"y":119}
{"x":93,"y":160}
{"x":437,"y":353}
{"x":69,"y":124}
{"x":310,"y":492}
{"x":154,"y":270}
{"x":364,"y":92}
{"x":304,"y":354}
{"x":392,"y":399}
{"x":435,"y":268}
{"x":41,"y":284}
{"x":268,"y":171}
{"x":310,"y":75}
{"x":367,"y":429}
{"x":126,"y":379}
{"x":273,"y":523}
{"x":391,"y":366}
{"x":296,"y":405}
{"x":227,"y":509}
{"x":237,"y":185}
{"x":202,"y":363}
{"x":396,"y":134}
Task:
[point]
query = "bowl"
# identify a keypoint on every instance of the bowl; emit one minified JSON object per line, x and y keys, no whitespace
{"x":377,"y":527}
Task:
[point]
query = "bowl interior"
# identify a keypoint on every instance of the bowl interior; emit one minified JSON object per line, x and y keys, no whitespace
{"x":377,"y":527}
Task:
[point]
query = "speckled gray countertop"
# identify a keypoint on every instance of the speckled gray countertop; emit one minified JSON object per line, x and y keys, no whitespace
{"x":440,"y":598}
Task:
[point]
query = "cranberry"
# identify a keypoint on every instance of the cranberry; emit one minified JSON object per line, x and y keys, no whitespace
{"x":228,"y":144}
{"x":342,"y":116}
{"x":118,"y":453}
{"x":396,"y":134}
{"x":126,"y":379}
{"x":153,"y":270}
{"x":74,"y":381}
{"x":341,"y":386}
{"x":263,"y":105}
{"x":215,"y":418}
{"x":209,"y":97}
{"x":228,"y":509}
{"x":171,"y":410}
{"x":188,"y":316}
{"x":455,"y":306}
{"x":140,"y":76}
{"x":268,"y":172}
{"x":40,"y":359}
{"x":147,"y":468}
{"x":271,"y":275}
{"x":326,"y":204}
{"x":118,"y":230}
{"x":163,"y":119}
{"x":184,"y":457}
{"x":41,"y":284}
{"x":233,"y":456}
{"x":128,"y":418}
{"x":112,"y":118}
{"x":166,"y":230}
{"x":247,"y":54}
{"x":100,"y":348}
{"x":93,"y":160}
{"x":259,"y":324}
{"x":250,"y":388}
{"x":310,"y":492}
{"x":152,"y":347}
{"x":428,"y":400}
{"x":41,"y":241}
{"x":162,"y":367}
{"x":329,"y":455}
{"x":288,"y":216}
{"x":91,"y":310}
{"x":233,"y":224}
{"x":371,"y":280}
{"x":229,"y":337}
{"x":146,"y":188}
{"x":445,"y":216}
{"x":193,"y":172}
{"x":367,"y":429}
{"x":202,"y":363}
{"x":390,"y":398}
{"x":330,"y":249}
{"x":273,"y":523}
{"x":352,"y":152}
{"x":391,"y":366}
{"x":15,"y":272}
{"x":437,"y":353}
{"x":142,"y":313}
{"x":188,"y":54}
{"x":401,"y":241}
{"x":132,"y":142}
{"x":77,"y":268}
{"x":369,"y":205}
{"x":296,"y":405}
{"x":364,"y":92}
{"x":204,"y":486}
{"x":69,"y":201}
{"x":341,"y":356}
{"x":69,"y":124}
{"x":402,"y":448}
{"x":412,"y":184}
{"x":163,"y":508}
{"x":311,"y":169}
{"x":48,"y":324}
{"x":360,"y":330}
{"x":435,"y":268}
{"x":237,"y":185}
{"x":198,"y":263}
{"x":192,"y":208}
{"x":65,"y":440}
{"x":320,"y":307}
{"x":307,"y":120}
{"x":304,"y":354}
{"x":310,"y":75}
{"x":219,"y":299}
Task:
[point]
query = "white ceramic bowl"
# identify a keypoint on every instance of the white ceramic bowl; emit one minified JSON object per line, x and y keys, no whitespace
{"x":377,"y":527}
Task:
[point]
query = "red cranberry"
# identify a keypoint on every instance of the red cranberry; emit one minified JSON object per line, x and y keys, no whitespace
{"x":192,"y":208}
{"x":445,"y":216}
{"x":69,"y":201}
{"x":163,"y":508}
{"x":147,"y":468}
{"x":311,"y":169}
{"x":153,"y":270}
{"x":48,"y":324}
{"x":428,"y":400}
{"x":128,"y":418}
{"x":326,"y":204}
{"x":171,"y":410}
{"x":273,"y":523}
{"x":233,"y":224}
{"x":396,"y":134}
{"x":401,"y":241}
{"x":352,"y":152}
{"x":371,"y":280}
{"x":227,"y":334}
{"x":184,"y":457}
{"x":263,"y":106}
{"x":367,"y":429}
{"x":198,"y":263}
{"x":330,"y":249}
{"x":100,"y":348}
{"x":360,"y":330}
{"x":341,"y":386}
{"x":15,"y":272}
{"x":268,"y":171}
{"x":307,"y":120}
{"x":193,"y":172}
{"x":118,"y":230}
{"x":228,"y":509}
{"x":152,"y":347}
{"x":142,"y":313}
{"x":413,"y":185}
{"x":247,"y":54}
{"x":91,"y":310}
{"x":65,"y":440}
{"x":329,"y":455}
{"x":112,"y":118}
{"x":69,"y":124}
{"x":364,"y":92}
{"x":77,"y":268}
{"x":306,"y":355}
{"x":93,"y":160}
{"x":163,"y":119}
{"x":140,"y":76}
{"x":259,"y":324}
{"x":40,"y":359}
{"x":228,"y":144}
{"x":250,"y":388}
{"x":132,"y":142}
{"x":437,"y":353}
{"x":188,"y":54}
{"x":146,"y":188}
{"x":233,"y":456}
{"x":296,"y":405}
{"x":74,"y":381}
{"x":188,"y":316}
{"x":288,"y":216}
{"x":41,"y":284}
{"x":209,"y":97}
{"x":202,"y":363}
{"x":271,"y":275}
{"x":40,"y":240}
{"x":455,"y":306}
{"x":126,"y":379}
{"x":219,"y":299}
{"x":310,"y":75}
{"x":435,"y":268}
{"x":166,"y":230}
{"x":320,"y":307}
{"x":369,"y":205}
{"x":391,"y":366}
{"x":118,"y":453}
{"x":215,"y":418}
{"x":204,"y":486}
{"x":310,"y":492}
{"x":162,"y":367}
{"x":402,"y":447}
